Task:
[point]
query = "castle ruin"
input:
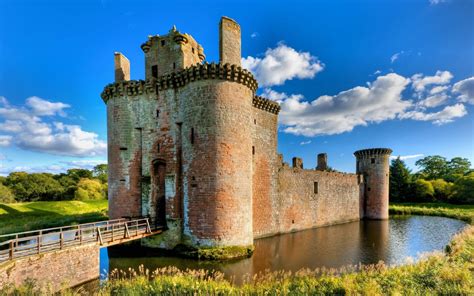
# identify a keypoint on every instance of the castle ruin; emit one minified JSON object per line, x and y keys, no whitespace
{"x":194,"y":148}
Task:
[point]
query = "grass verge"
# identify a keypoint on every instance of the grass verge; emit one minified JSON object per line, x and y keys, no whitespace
{"x":26,"y":216}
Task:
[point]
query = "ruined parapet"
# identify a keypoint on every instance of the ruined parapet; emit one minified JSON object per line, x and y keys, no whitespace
{"x":373,"y":164}
{"x":122,"y":67}
{"x":229,"y":41}
{"x":297,"y":163}
{"x":322,"y":162}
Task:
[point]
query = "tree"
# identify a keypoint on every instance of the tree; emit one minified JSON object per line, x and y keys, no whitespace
{"x":463,"y":189}
{"x":400,"y":180}
{"x":89,"y":189}
{"x":78,"y":174}
{"x":6,"y":195}
{"x":457,"y":167}
{"x":31,"y":187}
{"x":100,"y":172}
{"x":423,"y":190}
{"x":433,"y":167}
{"x":442,"y":189}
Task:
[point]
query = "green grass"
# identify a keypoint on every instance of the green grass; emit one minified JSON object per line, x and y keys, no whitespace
{"x":26,"y":216}
{"x":461,"y":212}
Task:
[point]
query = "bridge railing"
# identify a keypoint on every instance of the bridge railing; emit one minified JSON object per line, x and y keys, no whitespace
{"x":51,"y":239}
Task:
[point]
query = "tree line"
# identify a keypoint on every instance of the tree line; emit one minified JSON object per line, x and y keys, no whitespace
{"x":438,"y":180}
{"x":78,"y":184}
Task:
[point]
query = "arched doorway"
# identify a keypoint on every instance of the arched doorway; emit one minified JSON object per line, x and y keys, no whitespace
{"x":158,"y":191}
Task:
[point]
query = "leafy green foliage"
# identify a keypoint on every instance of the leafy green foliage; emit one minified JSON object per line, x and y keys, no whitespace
{"x":400,"y":180}
{"x":79,"y":184}
{"x":6,"y":195}
{"x":423,"y":190}
{"x":464,"y":189}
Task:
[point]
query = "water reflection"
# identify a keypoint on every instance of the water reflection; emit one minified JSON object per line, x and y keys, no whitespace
{"x":391,"y":241}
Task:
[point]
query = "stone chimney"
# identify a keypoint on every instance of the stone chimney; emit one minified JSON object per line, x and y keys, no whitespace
{"x":322,"y":162}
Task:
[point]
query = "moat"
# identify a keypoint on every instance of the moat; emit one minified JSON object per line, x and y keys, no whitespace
{"x":391,"y":241}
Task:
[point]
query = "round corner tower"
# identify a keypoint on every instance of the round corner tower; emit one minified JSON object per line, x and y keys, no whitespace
{"x":373,"y":164}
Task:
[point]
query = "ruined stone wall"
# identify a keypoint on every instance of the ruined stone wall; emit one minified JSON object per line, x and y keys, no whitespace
{"x":334,"y":200}
{"x":265,"y":172}
{"x":217,"y":162}
{"x":70,"y":267}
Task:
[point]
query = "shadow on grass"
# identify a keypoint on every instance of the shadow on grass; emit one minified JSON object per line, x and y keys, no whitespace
{"x":18,"y":221}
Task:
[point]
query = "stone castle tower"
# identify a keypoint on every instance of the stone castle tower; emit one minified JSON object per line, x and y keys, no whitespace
{"x":373,"y":164}
{"x":192,"y":147}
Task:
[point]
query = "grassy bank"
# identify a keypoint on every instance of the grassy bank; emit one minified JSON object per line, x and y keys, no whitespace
{"x":18,"y":217}
{"x":461,"y":212}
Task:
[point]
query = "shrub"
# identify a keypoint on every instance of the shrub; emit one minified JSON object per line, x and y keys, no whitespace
{"x":423,"y":190}
{"x":6,"y":195}
{"x":89,"y":189}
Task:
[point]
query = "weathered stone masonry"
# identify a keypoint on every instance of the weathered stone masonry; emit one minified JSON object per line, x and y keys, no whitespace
{"x":194,"y":148}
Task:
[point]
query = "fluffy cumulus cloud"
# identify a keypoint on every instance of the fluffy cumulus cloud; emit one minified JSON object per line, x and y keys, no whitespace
{"x":27,"y":128}
{"x":446,"y":115}
{"x":420,"y":82}
{"x":465,"y":90}
{"x":55,"y":168}
{"x":381,"y":100}
{"x":282,"y":63}
{"x":342,"y":112}
{"x":5,"y":140}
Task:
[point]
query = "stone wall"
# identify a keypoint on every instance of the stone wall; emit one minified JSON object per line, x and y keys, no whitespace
{"x":265,"y":169}
{"x":311,"y":198}
{"x":66,"y":268}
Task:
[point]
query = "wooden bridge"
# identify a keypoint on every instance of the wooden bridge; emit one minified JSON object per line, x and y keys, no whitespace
{"x":103,"y":233}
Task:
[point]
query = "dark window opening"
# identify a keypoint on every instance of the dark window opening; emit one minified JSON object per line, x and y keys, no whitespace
{"x":368,"y":189}
{"x":154,"y":71}
{"x":372,"y":160}
{"x":123,"y":148}
{"x":255,"y":121}
{"x":194,"y":185}
{"x":253,"y":150}
{"x":193,"y":178}
{"x":192,"y":135}
{"x":192,"y":49}
{"x":122,"y":180}
{"x":174,"y":65}
{"x":292,"y":221}
{"x":158,"y":147}
{"x":316,"y":187}
{"x":163,"y":43}
{"x":157,"y":113}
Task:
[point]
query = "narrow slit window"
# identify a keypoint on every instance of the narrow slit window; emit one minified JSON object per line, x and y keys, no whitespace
{"x":253,"y":150}
{"x":372,"y":160}
{"x":123,"y":148}
{"x":158,"y":147}
{"x":157,"y":113}
{"x":192,"y":135}
{"x":163,"y":43}
{"x":316,"y":187}
{"x":192,"y":49}
{"x":255,"y":121}
{"x":174,"y":65}
{"x":368,"y":189}
{"x":154,"y":71}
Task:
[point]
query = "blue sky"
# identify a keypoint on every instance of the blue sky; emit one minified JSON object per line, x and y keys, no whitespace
{"x":349,"y":74}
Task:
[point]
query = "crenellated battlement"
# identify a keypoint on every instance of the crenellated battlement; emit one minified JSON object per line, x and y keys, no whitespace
{"x":266,"y":104}
{"x":197,"y":72}
{"x":372,"y":152}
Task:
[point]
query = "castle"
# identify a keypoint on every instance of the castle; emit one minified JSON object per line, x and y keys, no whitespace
{"x":194,"y":148}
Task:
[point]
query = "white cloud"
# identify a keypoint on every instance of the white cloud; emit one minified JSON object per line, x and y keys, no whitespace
{"x":377,"y":72}
{"x":446,"y":115}
{"x":42,"y":107}
{"x":281,"y":64}
{"x":305,"y":143}
{"x":434,"y":100}
{"x":405,"y":157}
{"x":435,"y":2}
{"x":5,"y":140}
{"x":420,"y":82}
{"x":254,"y":35}
{"x":395,"y":56}
{"x":329,"y":115}
{"x":438,"y":89}
{"x":466,"y":90}
{"x":88,"y":164}
{"x":29,"y":130}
